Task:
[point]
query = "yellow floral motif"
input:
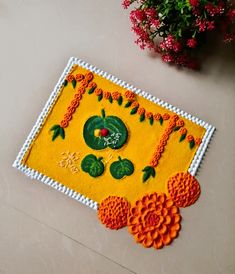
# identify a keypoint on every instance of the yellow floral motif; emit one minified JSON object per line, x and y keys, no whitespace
{"x":69,"y":161}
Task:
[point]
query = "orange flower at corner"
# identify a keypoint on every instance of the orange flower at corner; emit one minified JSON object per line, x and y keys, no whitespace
{"x":184,"y":189}
{"x":113,"y":212}
{"x":154,"y":221}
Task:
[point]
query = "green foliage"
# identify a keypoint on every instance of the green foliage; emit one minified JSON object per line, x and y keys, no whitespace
{"x":92,"y":165}
{"x":121,"y":168}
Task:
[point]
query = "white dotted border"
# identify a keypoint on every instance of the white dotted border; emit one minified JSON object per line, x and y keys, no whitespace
{"x":52,"y":99}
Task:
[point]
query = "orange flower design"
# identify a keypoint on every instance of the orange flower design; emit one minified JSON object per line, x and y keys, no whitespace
{"x":107,"y":95}
{"x":134,"y":104}
{"x":70,"y":78}
{"x":84,"y":83}
{"x":71,"y":109}
{"x":183,"y":131}
{"x":180,"y":123}
{"x":81,"y":90}
{"x":157,"y":116}
{"x":190,"y":138}
{"x":184,"y":189}
{"x":92,"y":85}
{"x":130,"y":95}
{"x":116,"y":95}
{"x":75,"y":103}
{"x":165,"y":116}
{"x":113,"y":212}
{"x":98,"y":91}
{"x":141,"y":111}
{"x":79,"y":77}
{"x":89,"y":76}
{"x":154,"y":221}
{"x":64,"y":123}
{"x":148,"y":115}
{"x":175,"y":117}
{"x":68,"y":117}
{"x":78,"y":96}
{"x":198,"y":141}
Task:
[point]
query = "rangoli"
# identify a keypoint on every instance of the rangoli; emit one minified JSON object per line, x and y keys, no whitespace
{"x":119,"y":150}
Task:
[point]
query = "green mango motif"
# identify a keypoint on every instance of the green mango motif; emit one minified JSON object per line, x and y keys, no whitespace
{"x":117,"y":132}
{"x":121,"y":168}
{"x":92,"y":165}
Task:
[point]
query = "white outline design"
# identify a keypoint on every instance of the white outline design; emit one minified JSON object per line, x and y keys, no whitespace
{"x":52,"y":99}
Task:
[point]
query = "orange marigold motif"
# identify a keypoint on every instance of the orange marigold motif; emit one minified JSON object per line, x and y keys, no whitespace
{"x":198,"y":141}
{"x":79,"y":77}
{"x":70,"y":78}
{"x":183,"y":131}
{"x":154,"y":221}
{"x":113,"y":212}
{"x":75,"y":103}
{"x":107,"y":95}
{"x":64,"y":123}
{"x":165,"y":116}
{"x":190,"y":138}
{"x":116,"y":95}
{"x":134,"y":104}
{"x":157,"y":116}
{"x":71,"y":109}
{"x":148,"y":115}
{"x":84,"y":83}
{"x":184,"y":189}
{"x":180,"y":123}
{"x":89,"y":76}
{"x":130,"y":95}
{"x":68,"y":116}
{"x":92,"y":85}
{"x":81,"y":90}
{"x":175,"y":117}
{"x":98,"y":91}
{"x":78,"y":96}
{"x":141,"y":111}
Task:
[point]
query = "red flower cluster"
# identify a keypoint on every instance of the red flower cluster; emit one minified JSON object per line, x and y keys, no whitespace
{"x":182,"y":27}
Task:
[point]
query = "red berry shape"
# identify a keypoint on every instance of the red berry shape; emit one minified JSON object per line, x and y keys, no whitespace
{"x":104,"y":132}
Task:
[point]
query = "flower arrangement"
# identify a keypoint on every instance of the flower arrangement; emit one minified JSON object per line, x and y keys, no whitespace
{"x":177,"y":29}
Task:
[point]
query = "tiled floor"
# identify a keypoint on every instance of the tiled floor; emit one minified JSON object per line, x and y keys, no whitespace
{"x":42,"y":231}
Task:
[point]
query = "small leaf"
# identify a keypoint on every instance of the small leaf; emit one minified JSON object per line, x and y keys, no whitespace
{"x":74,"y":83}
{"x":148,"y":171}
{"x":176,"y":128}
{"x":91,"y":90}
{"x":151,"y":121}
{"x":65,"y":83}
{"x":147,"y":168}
{"x":146,"y":176}
{"x":161,"y":121}
{"x":191,"y":144}
{"x":54,"y":127}
{"x":62,"y":133}
{"x":134,"y":110}
{"x":120,"y":100}
{"x":153,"y":172}
{"x":56,"y":133}
{"x":182,"y":137}
{"x":110,"y":99}
{"x":142,"y":117}
{"x":100,"y":97}
{"x":128,"y":104}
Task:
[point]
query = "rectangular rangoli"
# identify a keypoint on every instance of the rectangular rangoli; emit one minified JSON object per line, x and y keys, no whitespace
{"x":98,"y":136}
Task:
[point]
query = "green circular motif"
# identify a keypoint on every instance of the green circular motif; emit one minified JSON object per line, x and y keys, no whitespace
{"x":121,"y":168}
{"x":116,"y":138}
{"x":92,"y":165}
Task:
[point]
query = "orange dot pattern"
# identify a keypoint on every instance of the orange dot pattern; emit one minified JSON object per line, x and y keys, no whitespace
{"x":154,"y":220}
{"x":113,"y":212}
{"x":184,"y":189}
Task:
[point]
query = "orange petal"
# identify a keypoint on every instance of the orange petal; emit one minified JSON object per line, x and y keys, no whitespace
{"x":166,"y":239}
{"x":167,"y":220}
{"x":158,"y":243}
{"x":147,"y":242}
{"x":162,"y":229}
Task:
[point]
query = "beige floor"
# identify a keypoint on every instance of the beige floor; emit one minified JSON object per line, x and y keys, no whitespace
{"x":41,"y":230}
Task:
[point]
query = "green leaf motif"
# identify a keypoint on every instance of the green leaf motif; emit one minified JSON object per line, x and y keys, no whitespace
{"x":65,"y":83}
{"x":182,"y":137}
{"x":92,"y":165}
{"x":57,"y":131}
{"x":110,"y":99}
{"x":161,"y":121}
{"x":120,"y":100}
{"x":100,"y":97}
{"x":121,"y":168}
{"x":142,"y":117}
{"x":91,"y":90}
{"x":62,"y":133}
{"x":176,"y":128}
{"x":74,"y":83}
{"x":148,"y":172}
{"x":191,"y":144}
{"x":134,"y":110}
{"x":151,"y":121}
{"x":128,"y":104}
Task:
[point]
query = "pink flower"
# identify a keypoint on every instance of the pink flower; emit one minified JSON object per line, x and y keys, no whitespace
{"x":192,"y":43}
{"x":126,"y":3}
{"x":194,"y":3}
{"x":177,"y":46}
{"x":201,"y":24}
{"x":167,"y":58}
{"x":169,"y":41}
{"x":137,"y":15}
{"x":229,"y":37}
{"x":162,"y":45}
{"x":150,"y":12}
{"x":231,"y":14}
{"x":155,"y":23}
{"x":210,"y":25}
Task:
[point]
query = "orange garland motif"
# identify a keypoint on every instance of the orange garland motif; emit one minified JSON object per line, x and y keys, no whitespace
{"x":154,"y":220}
{"x":184,"y":189}
{"x":113,"y":212}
